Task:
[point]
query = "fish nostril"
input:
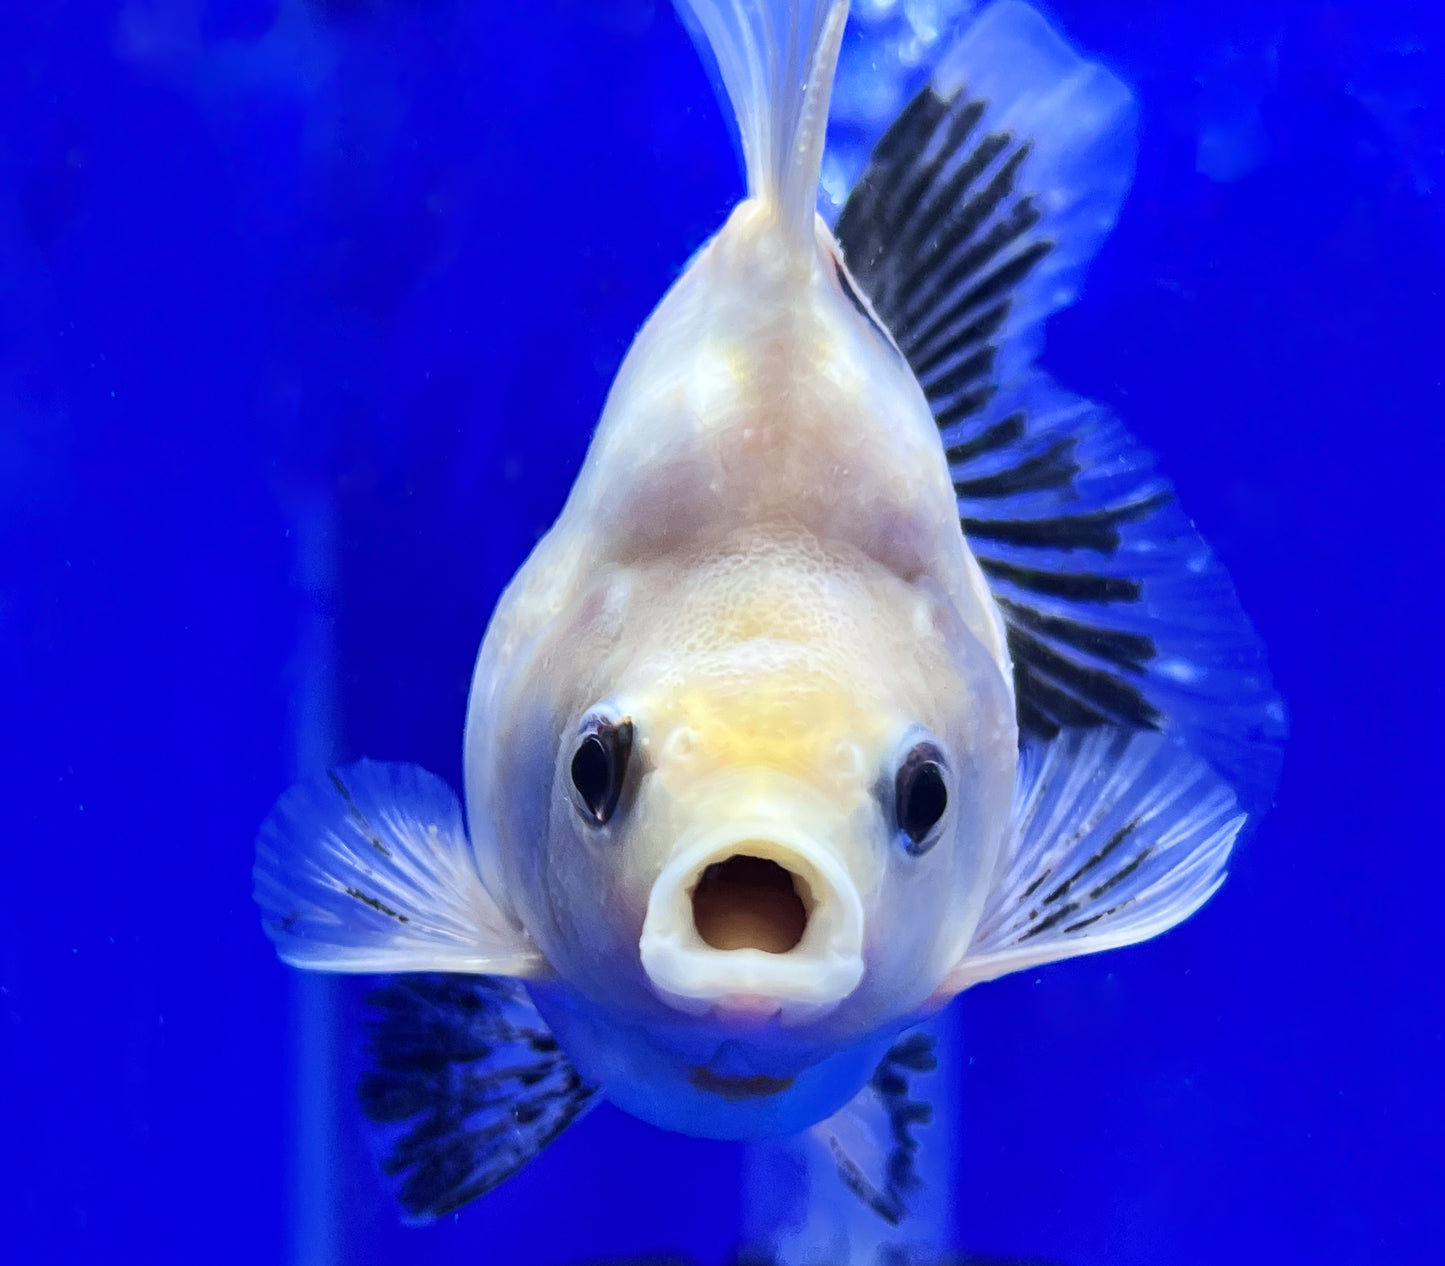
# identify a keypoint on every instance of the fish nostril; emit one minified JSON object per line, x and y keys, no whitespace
{"x":750,"y":903}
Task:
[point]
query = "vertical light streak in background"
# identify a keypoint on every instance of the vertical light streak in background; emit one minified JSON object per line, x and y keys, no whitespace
{"x":311,"y":1162}
{"x":797,"y":1212}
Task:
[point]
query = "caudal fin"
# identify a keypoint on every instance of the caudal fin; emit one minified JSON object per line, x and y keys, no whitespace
{"x":776,"y":61}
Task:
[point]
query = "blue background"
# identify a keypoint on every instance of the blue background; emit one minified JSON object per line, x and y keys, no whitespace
{"x":258,"y":256}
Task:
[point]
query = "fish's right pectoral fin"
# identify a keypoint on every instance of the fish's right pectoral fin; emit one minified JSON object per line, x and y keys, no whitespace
{"x":368,"y":869}
{"x":1117,"y":836}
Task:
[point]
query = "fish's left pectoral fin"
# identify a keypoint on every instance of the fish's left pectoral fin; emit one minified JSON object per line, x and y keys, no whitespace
{"x":369,"y":869}
{"x":872,"y":1141}
{"x":1117,"y":836}
{"x":467,"y":1085}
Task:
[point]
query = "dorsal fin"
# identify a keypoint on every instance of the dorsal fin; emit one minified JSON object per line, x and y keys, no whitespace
{"x":776,"y":60}
{"x":974,"y":220}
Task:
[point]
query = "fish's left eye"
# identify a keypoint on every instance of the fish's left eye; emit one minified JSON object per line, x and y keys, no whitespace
{"x":920,"y":797}
{"x":599,"y":767}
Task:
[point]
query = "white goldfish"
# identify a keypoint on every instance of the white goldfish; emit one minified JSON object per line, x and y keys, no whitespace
{"x":766,"y":756}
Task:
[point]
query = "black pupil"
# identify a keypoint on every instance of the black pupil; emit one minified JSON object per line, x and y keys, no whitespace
{"x":921,"y":796}
{"x":598,"y":767}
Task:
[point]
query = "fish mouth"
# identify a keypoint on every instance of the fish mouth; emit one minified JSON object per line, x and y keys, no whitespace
{"x":753,"y":924}
{"x":751,"y":903}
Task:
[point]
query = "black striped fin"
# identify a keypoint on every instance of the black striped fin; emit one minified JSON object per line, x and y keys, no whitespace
{"x":467,"y":1084}
{"x":937,"y":235}
{"x":1118,"y":614}
{"x":972,"y":221}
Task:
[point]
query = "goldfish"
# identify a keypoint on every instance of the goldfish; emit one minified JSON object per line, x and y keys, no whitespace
{"x":863,"y":664}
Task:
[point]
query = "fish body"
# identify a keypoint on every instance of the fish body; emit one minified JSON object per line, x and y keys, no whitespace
{"x":761,"y":568}
{"x":764,"y":761}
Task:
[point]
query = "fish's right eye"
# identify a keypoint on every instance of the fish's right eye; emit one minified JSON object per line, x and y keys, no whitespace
{"x":599,"y":767}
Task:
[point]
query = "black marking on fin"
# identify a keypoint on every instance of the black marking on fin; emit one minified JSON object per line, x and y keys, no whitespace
{"x":1075,"y":586}
{"x":1049,"y":920}
{"x":1121,"y":874}
{"x":379,"y":906}
{"x":1055,"y":467}
{"x":1119,"y":647}
{"x":358,"y":816}
{"x":1100,"y":688}
{"x":468,"y":1085}
{"x":889,"y":1196}
{"x":1000,"y":435}
{"x":1117,"y":615}
{"x":1049,"y":913}
{"x":1093,"y":861}
{"x":1096,"y":530}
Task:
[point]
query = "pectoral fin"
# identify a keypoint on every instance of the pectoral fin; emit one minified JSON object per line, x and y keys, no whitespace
{"x":369,"y":869}
{"x":1117,"y":836}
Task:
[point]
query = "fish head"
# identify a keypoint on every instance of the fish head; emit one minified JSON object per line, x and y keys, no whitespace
{"x":775,"y":780}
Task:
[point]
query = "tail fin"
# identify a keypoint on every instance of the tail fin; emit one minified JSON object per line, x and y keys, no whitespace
{"x":776,"y":59}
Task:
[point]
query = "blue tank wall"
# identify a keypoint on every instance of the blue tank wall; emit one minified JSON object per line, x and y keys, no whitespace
{"x":271,"y":264}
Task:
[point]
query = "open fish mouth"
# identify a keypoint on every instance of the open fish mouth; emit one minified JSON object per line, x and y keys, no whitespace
{"x":751,"y":903}
{"x":753,"y":923}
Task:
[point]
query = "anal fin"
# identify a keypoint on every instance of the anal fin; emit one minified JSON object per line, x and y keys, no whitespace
{"x":468,"y":1085}
{"x":872,"y":1140}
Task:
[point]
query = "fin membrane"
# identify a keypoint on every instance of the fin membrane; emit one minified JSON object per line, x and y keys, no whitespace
{"x":871,"y":1140}
{"x":1117,"y":836}
{"x":972,"y":222}
{"x":776,"y":60}
{"x":368,"y":869}
{"x":468,"y":1085}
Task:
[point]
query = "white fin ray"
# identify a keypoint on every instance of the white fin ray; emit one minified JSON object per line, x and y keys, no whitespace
{"x":1117,"y":836}
{"x":776,"y":61}
{"x":369,"y":870}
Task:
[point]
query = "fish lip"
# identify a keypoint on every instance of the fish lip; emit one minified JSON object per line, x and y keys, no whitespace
{"x":737,"y":1087}
{"x":753,"y":985}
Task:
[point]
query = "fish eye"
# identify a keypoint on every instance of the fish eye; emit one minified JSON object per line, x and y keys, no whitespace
{"x":599,"y":767}
{"x":920,"y":797}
